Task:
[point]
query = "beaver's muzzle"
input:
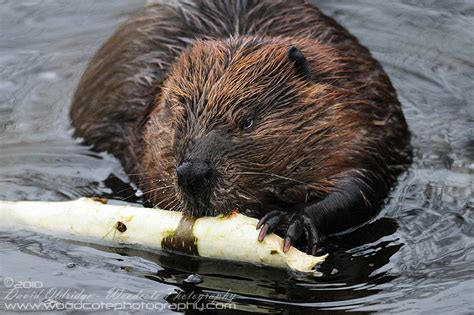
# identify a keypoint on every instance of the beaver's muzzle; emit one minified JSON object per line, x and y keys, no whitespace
{"x":196,"y":178}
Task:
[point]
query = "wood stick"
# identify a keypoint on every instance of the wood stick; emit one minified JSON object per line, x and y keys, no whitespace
{"x":233,"y":237}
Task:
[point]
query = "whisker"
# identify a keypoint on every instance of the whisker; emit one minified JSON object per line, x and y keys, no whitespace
{"x":128,"y":197}
{"x":272,"y":175}
{"x":157,"y":189}
{"x":171,"y":200}
{"x":123,"y":190}
{"x":171,"y":206}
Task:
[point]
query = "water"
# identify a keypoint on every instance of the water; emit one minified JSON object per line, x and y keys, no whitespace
{"x":416,"y":257}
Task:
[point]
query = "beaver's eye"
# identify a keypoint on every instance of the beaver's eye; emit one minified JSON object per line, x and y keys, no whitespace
{"x":246,"y":123}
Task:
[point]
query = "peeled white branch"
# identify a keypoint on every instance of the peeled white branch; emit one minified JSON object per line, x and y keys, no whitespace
{"x":233,"y":237}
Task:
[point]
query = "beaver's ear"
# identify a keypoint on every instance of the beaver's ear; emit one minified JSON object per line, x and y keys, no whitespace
{"x":302,"y":67}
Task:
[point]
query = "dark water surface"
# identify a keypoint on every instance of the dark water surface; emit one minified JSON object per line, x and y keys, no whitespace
{"x":417,"y":257}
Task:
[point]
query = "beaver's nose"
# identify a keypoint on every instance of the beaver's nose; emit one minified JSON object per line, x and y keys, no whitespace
{"x":195,"y":177}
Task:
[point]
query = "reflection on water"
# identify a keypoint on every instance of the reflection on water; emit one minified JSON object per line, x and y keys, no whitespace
{"x":418,"y":255}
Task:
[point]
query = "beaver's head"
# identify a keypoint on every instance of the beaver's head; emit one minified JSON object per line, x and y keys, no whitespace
{"x":248,"y":123}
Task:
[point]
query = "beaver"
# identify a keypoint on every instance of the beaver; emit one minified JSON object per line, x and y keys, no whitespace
{"x":269,"y":107}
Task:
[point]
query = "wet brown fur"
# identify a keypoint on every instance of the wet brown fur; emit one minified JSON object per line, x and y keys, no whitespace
{"x":174,"y":82}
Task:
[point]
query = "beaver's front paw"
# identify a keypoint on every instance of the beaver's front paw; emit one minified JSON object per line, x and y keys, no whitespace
{"x":297,"y":222}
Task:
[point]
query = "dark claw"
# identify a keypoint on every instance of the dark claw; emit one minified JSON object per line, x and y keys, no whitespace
{"x":268,"y":216}
{"x":269,"y":222}
{"x":286,"y":244}
{"x":298,"y":223}
{"x":295,"y":229}
{"x":263,"y":232}
{"x":311,"y":235}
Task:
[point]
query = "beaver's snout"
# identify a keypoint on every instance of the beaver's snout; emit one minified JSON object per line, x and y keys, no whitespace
{"x":196,"y":178}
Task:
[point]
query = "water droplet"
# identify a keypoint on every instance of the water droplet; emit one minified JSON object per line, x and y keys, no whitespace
{"x":193,"y":279}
